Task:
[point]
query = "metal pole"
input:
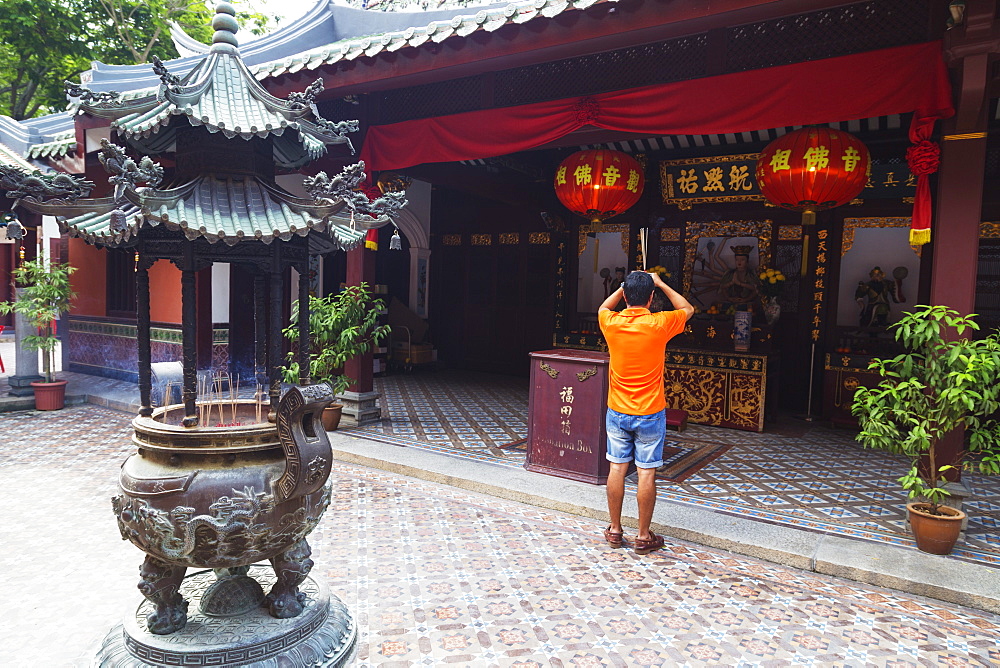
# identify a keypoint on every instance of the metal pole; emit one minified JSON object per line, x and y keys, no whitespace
{"x":812,"y":370}
{"x":304,"y":342}
{"x":189,"y":323}
{"x":142,"y":335}
{"x":274,"y":330}
{"x":260,"y":328}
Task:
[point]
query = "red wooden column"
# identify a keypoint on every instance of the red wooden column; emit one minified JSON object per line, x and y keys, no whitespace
{"x":959,"y":197}
{"x":956,"y":243}
{"x":360,"y":399}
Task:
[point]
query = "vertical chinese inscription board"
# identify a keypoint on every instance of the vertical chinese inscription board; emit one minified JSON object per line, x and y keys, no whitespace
{"x":567,"y":403}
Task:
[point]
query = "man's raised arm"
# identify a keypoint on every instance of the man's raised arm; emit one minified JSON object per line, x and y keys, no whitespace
{"x":612,"y":300}
{"x":676,"y":299}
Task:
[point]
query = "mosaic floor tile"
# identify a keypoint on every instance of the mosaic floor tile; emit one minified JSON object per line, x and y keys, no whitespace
{"x":472,"y":580}
{"x":799,"y":474}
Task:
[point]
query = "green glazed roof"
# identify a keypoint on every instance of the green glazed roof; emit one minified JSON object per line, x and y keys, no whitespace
{"x":221,"y":95}
{"x":218,"y":208}
{"x":61,"y":145}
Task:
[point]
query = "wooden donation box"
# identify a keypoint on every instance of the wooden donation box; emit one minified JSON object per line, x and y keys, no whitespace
{"x":567,"y":403}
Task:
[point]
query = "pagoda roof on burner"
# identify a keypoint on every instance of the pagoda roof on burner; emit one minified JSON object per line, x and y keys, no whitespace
{"x":221,"y":95}
{"x":219,"y":208}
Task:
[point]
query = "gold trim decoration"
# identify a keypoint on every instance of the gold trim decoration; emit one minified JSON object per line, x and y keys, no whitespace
{"x":908,"y":200}
{"x":670,"y":234}
{"x":452,"y":240}
{"x":851,"y":224}
{"x":667,"y":188}
{"x":725,"y":228}
{"x":717,"y":388}
{"x":621,"y":228}
{"x":584,"y":375}
{"x":990,"y":230}
{"x":969,"y":135}
{"x":549,"y":370}
{"x":482,"y":239}
{"x":539,"y":238}
{"x":789,"y":233}
{"x":510,"y":238}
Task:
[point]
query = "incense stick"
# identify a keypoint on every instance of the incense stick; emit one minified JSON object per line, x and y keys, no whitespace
{"x":643,"y":238}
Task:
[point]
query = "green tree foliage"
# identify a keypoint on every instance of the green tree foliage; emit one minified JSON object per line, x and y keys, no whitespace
{"x":42,"y":42}
{"x":45,"y":42}
{"x":341,"y":326}
{"x":43,"y":296}
{"x":943,"y":383}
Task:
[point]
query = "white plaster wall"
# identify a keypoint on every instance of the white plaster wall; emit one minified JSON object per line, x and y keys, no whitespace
{"x":94,"y":137}
{"x":887,"y":248}
{"x":50,"y":229}
{"x":220,"y":292}
{"x":590,"y":294}
{"x":419,"y":197}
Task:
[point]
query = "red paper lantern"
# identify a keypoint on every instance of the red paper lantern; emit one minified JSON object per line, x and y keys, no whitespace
{"x":599,"y":184}
{"x":813,"y":169}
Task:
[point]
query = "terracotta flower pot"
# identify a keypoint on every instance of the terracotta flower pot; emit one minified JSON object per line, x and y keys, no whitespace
{"x":49,"y":396}
{"x":935,"y":534}
{"x":331,"y":416}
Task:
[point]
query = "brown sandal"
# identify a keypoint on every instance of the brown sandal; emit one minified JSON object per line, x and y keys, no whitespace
{"x":647,"y":546}
{"x":615,"y":540}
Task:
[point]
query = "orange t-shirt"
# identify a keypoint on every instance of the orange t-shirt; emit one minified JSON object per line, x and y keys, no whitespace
{"x":637,"y":341}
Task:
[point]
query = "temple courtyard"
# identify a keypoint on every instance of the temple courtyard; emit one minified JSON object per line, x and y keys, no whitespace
{"x":449,"y":553}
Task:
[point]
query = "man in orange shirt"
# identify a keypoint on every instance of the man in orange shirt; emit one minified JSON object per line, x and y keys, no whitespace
{"x":636,"y":419}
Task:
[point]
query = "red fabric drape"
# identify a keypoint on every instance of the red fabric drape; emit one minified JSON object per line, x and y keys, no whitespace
{"x":874,"y":83}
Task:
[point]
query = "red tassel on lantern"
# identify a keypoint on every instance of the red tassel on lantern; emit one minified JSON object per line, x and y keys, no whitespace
{"x":371,"y":240}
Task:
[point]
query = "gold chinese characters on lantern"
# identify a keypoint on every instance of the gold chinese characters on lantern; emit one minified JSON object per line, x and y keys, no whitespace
{"x":813,"y":169}
{"x":599,"y":184}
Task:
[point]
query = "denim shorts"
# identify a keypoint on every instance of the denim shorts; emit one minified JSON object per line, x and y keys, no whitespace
{"x":638,"y":437}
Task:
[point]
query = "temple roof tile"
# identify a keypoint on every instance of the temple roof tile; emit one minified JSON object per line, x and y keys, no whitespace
{"x":224,"y":208}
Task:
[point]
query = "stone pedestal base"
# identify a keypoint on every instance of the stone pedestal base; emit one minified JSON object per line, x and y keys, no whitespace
{"x":360,"y":408}
{"x":323,"y":635}
{"x":20,"y":386}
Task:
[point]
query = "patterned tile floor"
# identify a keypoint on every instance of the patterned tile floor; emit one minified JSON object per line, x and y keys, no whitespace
{"x":438,"y":576}
{"x":800,"y":474}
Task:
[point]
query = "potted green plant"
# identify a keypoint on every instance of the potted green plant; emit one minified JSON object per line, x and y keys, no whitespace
{"x":341,"y":326}
{"x":43,"y":295}
{"x":944,"y":382}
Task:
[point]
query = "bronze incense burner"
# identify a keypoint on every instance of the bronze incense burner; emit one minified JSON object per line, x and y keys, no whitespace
{"x":225,"y":498}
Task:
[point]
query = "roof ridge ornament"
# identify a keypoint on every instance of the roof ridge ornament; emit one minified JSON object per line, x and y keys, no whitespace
{"x":307,"y":99}
{"x":125,"y":172}
{"x":19,"y":184}
{"x":109,"y":98}
{"x":225,"y":25}
{"x":171,"y":82}
{"x":344,"y":186}
{"x":340,"y":129}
